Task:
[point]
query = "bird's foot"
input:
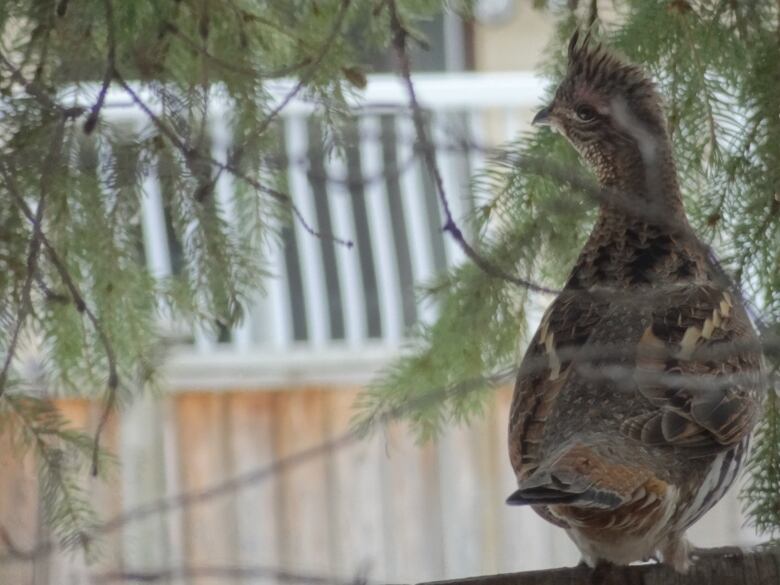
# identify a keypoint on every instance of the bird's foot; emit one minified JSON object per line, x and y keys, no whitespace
{"x":676,"y":552}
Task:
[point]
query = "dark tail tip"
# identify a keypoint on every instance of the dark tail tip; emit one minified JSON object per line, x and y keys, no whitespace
{"x":540,"y":496}
{"x":517,"y":499}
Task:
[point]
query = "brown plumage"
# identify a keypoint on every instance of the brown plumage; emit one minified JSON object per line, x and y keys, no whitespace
{"x":637,"y":395}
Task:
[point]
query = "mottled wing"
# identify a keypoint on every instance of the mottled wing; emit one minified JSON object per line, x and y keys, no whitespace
{"x":544,"y":371}
{"x":698,"y":364}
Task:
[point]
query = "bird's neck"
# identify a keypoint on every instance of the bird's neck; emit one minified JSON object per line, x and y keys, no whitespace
{"x":642,"y":181}
{"x":637,"y":239}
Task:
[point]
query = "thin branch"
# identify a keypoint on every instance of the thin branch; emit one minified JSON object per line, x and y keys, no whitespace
{"x":233,"y":573}
{"x":108,"y":76}
{"x":400,"y":35}
{"x":14,"y":550}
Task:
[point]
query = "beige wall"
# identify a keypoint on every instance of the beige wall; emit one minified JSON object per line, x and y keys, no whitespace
{"x":514,"y":45}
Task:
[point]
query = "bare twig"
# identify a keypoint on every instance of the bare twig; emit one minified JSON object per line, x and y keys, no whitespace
{"x":108,"y":76}
{"x":400,"y":36}
{"x":14,"y":550}
{"x":230,"y":572}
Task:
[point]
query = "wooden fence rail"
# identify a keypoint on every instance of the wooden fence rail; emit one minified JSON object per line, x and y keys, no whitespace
{"x":724,"y":566}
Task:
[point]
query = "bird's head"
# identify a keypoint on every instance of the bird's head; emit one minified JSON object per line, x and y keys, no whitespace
{"x":609,"y":111}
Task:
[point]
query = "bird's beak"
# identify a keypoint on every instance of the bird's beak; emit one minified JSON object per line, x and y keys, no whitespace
{"x":542,"y":117}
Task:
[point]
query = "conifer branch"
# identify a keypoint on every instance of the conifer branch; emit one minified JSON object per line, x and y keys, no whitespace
{"x":34,"y":248}
{"x":60,"y":494}
{"x":81,"y":305}
{"x":41,"y":93}
{"x":26,"y":301}
{"x":702,"y":70}
{"x":311,"y":70}
{"x":232,"y":67}
{"x":191,"y":154}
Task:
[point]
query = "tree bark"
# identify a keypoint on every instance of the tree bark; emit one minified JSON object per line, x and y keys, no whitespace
{"x":723,"y":566}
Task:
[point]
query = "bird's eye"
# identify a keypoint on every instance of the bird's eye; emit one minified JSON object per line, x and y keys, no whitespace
{"x":585,"y":113}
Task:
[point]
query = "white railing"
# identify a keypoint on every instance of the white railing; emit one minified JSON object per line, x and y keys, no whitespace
{"x":338,"y":315}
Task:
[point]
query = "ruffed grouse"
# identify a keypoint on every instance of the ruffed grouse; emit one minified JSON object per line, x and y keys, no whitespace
{"x":636,"y":398}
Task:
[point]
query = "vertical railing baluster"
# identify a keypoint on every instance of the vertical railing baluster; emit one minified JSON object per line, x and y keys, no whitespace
{"x":155,"y":233}
{"x":277,"y":306}
{"x":351,"y":283}
{"x":476,"y":142}
{"x":381,"y":233}
{"x":296,"y":139}
{"x":510,"y":123}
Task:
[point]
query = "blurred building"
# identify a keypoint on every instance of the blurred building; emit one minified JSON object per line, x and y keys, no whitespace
{"x":285,"y":381}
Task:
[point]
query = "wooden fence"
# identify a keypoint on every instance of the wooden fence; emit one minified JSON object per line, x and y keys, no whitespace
{"x":385,"y":508}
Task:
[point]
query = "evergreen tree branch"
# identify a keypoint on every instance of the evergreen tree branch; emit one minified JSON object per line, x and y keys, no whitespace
{"x":192,"y":154}
{"x":250,"y":16}
{"x":26,"y":301}
{"x":68,"y":512}
{"x":41,"y":93}
{"x":702,"y":70}
{"x":82,"y":307}
{"x":34,"y":248}
{"x":232,"y":67}
{"x":311,"y":70}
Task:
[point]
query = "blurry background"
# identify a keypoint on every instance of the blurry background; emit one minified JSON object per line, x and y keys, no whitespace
{"x":384,"y":508}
